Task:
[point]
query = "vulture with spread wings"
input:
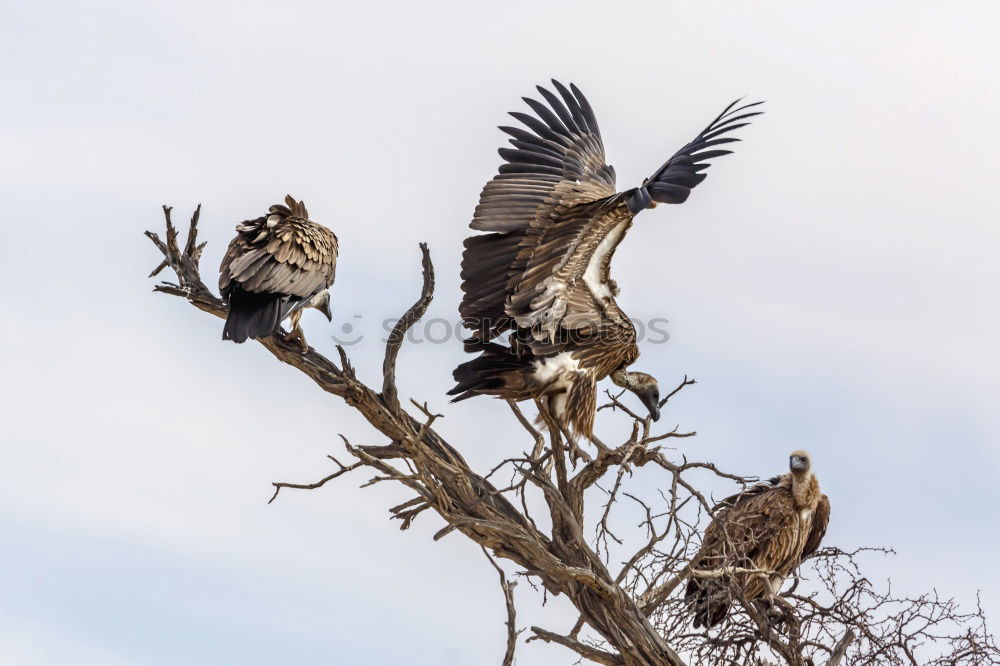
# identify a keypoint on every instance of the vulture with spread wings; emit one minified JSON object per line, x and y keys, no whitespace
{"x":542,"y":273}
{"x":768,"y":529}
{"x":276,"y":266}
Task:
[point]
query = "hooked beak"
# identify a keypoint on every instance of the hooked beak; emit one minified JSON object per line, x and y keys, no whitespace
{"x":325,"y":309}
{"x":652,"y":404}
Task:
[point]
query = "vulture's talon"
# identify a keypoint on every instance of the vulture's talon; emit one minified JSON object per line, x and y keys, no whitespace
{"x":296,"y":337}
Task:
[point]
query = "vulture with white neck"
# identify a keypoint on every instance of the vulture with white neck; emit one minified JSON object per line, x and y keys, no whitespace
{"x":542,"y":272}
{"x":770,"y":528}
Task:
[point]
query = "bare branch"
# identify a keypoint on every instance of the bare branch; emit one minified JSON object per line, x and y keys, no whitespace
{"x":395,"y":341}
{"x":586,"y":651}
{"x":829,"y":612}
{"x":508,"y":595}
{"x":841,"y":649}
{"x":318,"y":484}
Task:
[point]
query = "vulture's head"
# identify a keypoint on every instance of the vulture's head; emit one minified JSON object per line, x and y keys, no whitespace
{"x":800,"y":463}
{"x":321,"y":302}
{"x":646,"y":388}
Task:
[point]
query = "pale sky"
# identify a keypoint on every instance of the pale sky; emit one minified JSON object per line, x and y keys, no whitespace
{"x":832,"y":286}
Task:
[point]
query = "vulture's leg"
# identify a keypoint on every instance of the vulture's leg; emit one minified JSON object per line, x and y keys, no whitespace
{"x":777,"y":611}
{"x":556,"y":429}
{"x":296,"y":334}
{"x":769,"y":613}
{"x":545,"y":416}
{"x":575,"y":452}
{"x":783,"y":612}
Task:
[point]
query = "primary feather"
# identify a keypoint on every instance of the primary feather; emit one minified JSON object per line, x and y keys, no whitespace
{"x":542,"y":272}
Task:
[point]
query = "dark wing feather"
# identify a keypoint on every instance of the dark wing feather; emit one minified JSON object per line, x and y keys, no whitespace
{"x":556,"y":163}
{"x":673,"y":182}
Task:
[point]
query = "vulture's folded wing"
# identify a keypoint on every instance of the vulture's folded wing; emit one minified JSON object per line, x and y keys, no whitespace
{"x":745,"y":522}
{"x":295,"y":258}
{"x":820,"y":520}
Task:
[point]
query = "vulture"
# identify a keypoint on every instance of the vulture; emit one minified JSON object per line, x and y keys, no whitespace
{"x":276,"y":266}
{"x":542,"y":271}
{"x":772,"y":526}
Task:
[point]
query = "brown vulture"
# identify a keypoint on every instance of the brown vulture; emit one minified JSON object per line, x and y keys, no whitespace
{"x":276,"y":266}
{"x":542,"y":273}
{"x":770,"y":528}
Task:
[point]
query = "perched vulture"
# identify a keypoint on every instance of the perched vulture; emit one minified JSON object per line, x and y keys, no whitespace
{"x":276,"y":266}
{"x":542,"y":272}
{"x":771,"y":527}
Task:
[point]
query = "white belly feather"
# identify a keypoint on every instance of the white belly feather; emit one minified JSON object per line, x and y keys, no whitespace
{"x":592,"y":275}
{"x":554,"y":367}
{"x":554,"y":373}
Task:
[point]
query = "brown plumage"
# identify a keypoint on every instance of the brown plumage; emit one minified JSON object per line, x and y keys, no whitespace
{"x":543,"y":271}
{"x":771,"y":527}
{"x":277,"y":265}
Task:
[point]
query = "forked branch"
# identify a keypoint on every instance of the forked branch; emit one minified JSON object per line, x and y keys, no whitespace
{"x":636,"y":617}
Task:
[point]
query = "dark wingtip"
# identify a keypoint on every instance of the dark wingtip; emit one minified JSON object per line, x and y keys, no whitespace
{"x":746,"y":106}
{"x":694,"y":157}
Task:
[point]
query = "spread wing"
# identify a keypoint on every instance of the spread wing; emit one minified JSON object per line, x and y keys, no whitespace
{"x":281,"y":254}
{"x":820,"y":520}
{"x":556,"y":164}
{"x":561,"y":276}
{"x":558,"y":161}
{"x":562,"y":267}
{"x":672,"y":183}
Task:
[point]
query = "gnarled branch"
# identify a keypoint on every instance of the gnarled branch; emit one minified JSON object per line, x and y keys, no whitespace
{"x":634,"y":618}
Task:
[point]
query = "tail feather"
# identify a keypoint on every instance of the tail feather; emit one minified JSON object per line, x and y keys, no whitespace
{"x":486,"y":264}
{"x":487,"y":374}
{"x":710,"y":602}
{"x":252,"y":316}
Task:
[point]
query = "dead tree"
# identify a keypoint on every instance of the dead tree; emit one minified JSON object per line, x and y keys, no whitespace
{"x":630,"y":613}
